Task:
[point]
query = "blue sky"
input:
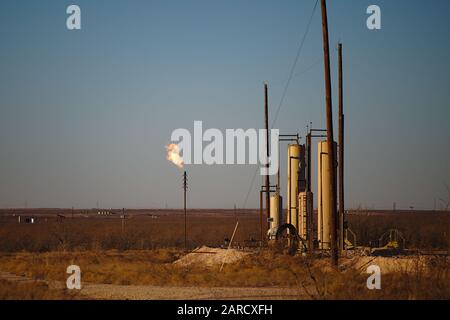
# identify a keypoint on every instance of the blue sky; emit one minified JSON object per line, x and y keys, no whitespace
{"x":85,"y":115}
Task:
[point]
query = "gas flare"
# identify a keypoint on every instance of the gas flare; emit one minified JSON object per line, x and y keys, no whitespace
{"x":173,"y":155}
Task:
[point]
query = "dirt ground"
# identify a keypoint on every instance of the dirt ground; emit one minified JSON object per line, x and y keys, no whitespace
{"x":210,"y":257}
{"x":102,"y":291}
{"x":121,"y":292}
{"x":143,"y":257}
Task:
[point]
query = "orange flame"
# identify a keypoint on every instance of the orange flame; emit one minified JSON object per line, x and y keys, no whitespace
{"x":173,"y":155}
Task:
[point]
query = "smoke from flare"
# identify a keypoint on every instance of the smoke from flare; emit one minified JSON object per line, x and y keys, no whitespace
{"x":173,"y":155}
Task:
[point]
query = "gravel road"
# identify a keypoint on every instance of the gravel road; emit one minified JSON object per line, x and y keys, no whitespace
{"x":107,"y":291}
{"x":131,"y":292}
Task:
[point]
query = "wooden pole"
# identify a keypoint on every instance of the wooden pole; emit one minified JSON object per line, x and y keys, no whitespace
{"x":341,"y":153}
{"x":229,"y":246}
{"x":185,"y":211}
{"x":310,"y":213}
{"x":123,"y":220}
{"x":266,"y":119}
{"x":261,"y":216}
{"x":330,"y":138}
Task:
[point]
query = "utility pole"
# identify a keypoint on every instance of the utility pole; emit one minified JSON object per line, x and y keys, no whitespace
{"x":123,"y":220}
{"x":261,"y":217}
{"x":266,"y":119}
{"x":310,"y":217}
{"x":330,"y":139}
{"x":341,"y":153}
{"x":185,"y":212}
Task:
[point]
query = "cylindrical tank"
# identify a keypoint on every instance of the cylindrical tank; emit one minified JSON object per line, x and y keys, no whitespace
{"x":292,"y":189}
{"x":323,"y":197}
{"x":305,"y":200}
{"x":275,"y":212}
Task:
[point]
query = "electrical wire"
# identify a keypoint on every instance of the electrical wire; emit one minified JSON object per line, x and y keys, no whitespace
{"x":294,"y":65}
{"x":283,"y":96}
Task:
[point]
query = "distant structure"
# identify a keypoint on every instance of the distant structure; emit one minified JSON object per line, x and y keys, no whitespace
{"x":105,"y":213}
{"x":28,"y":220}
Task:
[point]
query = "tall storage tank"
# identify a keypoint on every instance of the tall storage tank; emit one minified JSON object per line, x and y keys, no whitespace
{"x":293,"y":160}
{"x":323,"y":196}
{"x":275,"y":212}
{"x":306,"y":203}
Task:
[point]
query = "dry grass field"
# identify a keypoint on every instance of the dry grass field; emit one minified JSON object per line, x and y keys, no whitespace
{"x":312,"y":279}
{"x":151,"y":241}
{"x":153,"y":229}
{"x":11,"y":290}
{"x":143,"y":229}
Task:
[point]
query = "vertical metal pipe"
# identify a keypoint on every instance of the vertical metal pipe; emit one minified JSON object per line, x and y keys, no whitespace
{"x":308,"y":162}
{"x":331,"y":154}
{"x":266,"y":119}
{"x":278,"y":173}
{"x":341,"y":152}
{"x":310,"y":215}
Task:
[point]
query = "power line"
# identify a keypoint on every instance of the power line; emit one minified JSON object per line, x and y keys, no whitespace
{"x":291,"y":73}
{"x":283,"y":96}
{"x":310,"y":67}
{"x":250,"y":189}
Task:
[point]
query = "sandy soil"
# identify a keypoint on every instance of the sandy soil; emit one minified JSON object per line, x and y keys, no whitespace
{"x":391,"y":264}
{"x":210,"y":257}
{"x":104,"y":291}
